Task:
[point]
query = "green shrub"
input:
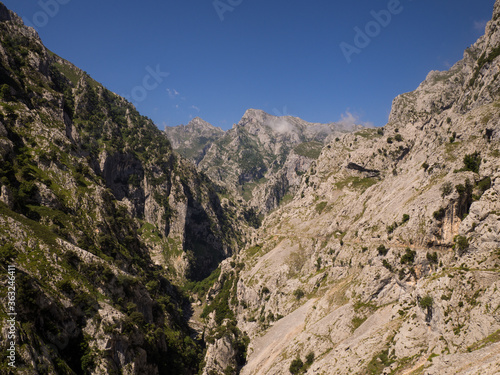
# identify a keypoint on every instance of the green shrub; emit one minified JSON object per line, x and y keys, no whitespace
{"x":65,"y":286}
{"x":461,"y":243}
{"x":484,"y":184}
{"x":408,"y":257}
{"x":389,"y":140}
{"x":298,"y":293}
{"x":5,"y":92}
{"x":296,"y":366}
{"x":390,"y":228}
{"x":472,"y":162}
{"x":382,"y":250}
{"x":309,"y":358}
{"x":432,"y":258}
{"x":439,"y":214}
{"x":318,"y":263}
{"x":446,"y":189}
{"x":7,"y":253}
{"x":320,"y":207}
{"x":387,"y":265}
{"x":426,"y":302}
{"x":398,"y":138}
{"x":405,"y":219}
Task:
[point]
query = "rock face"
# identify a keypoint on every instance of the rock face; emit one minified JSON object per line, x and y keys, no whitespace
{"x":100,"y":218}
{"x":193,"y":140}
{"x":387,"y":259}
{"x":261,"y":158}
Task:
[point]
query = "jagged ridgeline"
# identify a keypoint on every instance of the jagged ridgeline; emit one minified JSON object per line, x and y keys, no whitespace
{"x":261,"y":159}
{"x":387,"y":258}
{"x":100,"y":218}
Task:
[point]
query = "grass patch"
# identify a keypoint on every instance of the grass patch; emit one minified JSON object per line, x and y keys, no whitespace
{"x":369,"y":133}
{"x":41,"y":232}
{"x":201,"y":287}
{"x":379,"y":362}
{"x":357,"y":321}
{"x":254,"y":250}
{"x":451,"y":148}
{"x":320,"y":207}
{"x":491,"y":339}
{"x":68,"y":72}
{"x":287,"y":198}
{"x":310,"y":150}
{"x":150,"y":233}
{"x":356,"y":183}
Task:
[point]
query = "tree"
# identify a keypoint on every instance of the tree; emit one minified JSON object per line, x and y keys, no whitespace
{"x":461,"y":243}
{"x":296,"y":366}
{"x":310,"y":358}
{"x":382,"y":250}
{"x":5,"y":92}
{"x":472,"y":162}
{"x":299,"y":293}
{"x":426,"y":302}
{"x":408,"y":257}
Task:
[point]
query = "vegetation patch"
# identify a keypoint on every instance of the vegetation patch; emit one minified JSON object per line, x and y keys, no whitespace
{"x":472,"y":162}
{"x":491,"y":339}
{"x":357,"y":321}
{"x":356,"y":183}
{"x":310,"y":150}
{"x":379,"y":362}
{"x":320,"y":207}
{"x":220,"y":304}
{"x":200,"y":288}
{"x":299,"y":367}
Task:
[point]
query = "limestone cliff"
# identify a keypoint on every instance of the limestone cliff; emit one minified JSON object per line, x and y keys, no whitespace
{"x":387,"y":259}
{"x":100,"y":218}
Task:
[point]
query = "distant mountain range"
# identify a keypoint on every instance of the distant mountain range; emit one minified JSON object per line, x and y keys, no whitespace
{"x":262,"y":158}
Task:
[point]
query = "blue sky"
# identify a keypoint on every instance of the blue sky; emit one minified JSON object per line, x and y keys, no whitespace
{"x":282,"y":56}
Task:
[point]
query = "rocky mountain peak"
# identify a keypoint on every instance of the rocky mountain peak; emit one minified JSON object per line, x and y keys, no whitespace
{"x":5,"y":13}
{"x":470,"y":83}
{"x":199,"y":124}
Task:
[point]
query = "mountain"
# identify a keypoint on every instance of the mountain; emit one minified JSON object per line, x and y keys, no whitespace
{"x":261,"y":159}
{"x":280,"y":247}
{"x":193,"y":140}
{"x":102,"y":220}
{"x":387,"y":259}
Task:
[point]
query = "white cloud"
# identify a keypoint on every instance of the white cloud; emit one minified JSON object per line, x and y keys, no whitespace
{"x":195,"y":108}
{"x":349,"y":119}
{"x":480,"y":25}
{"x":172,"y":93}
